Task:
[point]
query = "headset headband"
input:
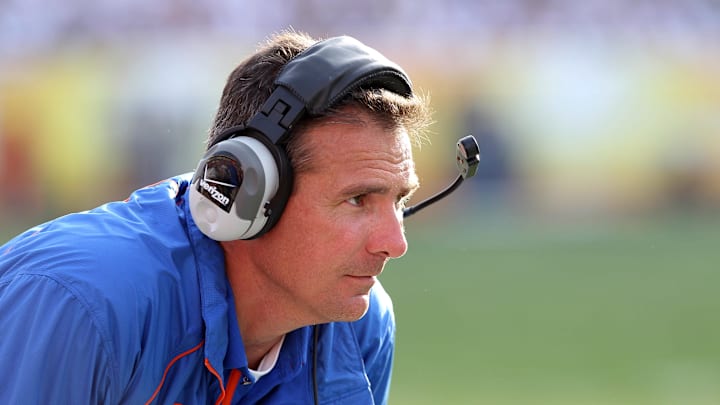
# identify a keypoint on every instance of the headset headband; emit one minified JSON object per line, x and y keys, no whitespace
{"x":319,"y":77}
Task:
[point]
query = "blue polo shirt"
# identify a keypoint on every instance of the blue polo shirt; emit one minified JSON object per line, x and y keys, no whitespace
{"x":129,"y":303}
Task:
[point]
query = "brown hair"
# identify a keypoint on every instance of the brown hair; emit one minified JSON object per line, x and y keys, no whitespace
{"x":251,"y":83}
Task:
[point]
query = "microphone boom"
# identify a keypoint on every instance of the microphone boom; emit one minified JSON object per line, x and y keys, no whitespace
{"x":468,"y":157}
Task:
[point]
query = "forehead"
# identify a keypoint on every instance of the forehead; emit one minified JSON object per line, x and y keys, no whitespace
{"x":356,"y":138}
{"x":360,"y":150}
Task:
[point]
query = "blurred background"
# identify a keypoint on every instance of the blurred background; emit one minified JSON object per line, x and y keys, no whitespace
{"x":580,"y":266}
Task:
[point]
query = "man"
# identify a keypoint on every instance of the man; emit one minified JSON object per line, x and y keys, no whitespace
{"x":144,"y":301}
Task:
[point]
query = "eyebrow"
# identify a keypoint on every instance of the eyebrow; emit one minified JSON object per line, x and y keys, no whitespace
{"x":363,"y":189}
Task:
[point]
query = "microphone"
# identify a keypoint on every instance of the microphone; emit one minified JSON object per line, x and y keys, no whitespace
{"x":468,"y":157}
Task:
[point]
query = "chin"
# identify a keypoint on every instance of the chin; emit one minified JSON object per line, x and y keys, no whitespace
{"x":355,"y":309}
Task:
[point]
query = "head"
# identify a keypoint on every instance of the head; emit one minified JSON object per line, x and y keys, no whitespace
{"x":353,"y":170}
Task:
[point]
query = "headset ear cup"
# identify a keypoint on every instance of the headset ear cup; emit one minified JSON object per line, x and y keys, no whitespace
{"x":232,"y":187}
{"x":285,"y":186}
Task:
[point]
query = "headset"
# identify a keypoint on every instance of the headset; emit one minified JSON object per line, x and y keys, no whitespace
{"x":242,"y":183}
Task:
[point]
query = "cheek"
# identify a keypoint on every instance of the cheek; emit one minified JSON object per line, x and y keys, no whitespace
{"x":326,"y":241}
{"x":320,"y":245}
{"x":315,"y":234}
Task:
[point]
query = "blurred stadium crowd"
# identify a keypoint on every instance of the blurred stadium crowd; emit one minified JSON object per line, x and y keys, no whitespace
{"x":587,"y":108}
{"x":28,"y":26}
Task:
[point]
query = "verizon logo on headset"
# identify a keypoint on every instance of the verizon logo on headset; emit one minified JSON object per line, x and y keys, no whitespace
{"x":220,"y":181}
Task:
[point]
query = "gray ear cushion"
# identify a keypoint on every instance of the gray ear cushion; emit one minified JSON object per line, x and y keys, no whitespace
{"x":231,"y":188}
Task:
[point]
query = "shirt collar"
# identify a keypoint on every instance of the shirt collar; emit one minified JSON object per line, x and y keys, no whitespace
{"x":210,"y":261}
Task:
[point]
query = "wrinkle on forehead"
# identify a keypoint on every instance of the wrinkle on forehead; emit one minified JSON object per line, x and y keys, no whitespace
{"x":361,"y":158}
{"x":368,"y":155}
{"x":340,"y":139}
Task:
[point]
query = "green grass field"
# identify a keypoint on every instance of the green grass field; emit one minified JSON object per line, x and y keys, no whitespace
{"x":512,"y":311}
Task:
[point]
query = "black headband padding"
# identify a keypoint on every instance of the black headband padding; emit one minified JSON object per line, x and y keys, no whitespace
{"x":321,"y":76}
{"x":329,"y":70}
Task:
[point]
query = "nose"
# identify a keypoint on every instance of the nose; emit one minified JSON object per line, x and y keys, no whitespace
{"x":387,"y":236}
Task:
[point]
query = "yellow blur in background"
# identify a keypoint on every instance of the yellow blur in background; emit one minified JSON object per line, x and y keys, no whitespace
{"x":604,"y":107}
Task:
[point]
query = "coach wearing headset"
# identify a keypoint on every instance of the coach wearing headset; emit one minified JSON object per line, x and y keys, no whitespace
{"x":251,"y":280}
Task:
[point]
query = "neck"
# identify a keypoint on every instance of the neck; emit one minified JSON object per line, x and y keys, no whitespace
{"x":255,"y":353}
{"x":262,"y":318}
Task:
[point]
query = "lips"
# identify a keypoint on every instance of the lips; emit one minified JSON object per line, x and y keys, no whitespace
{"x":361,"y":284}
{"x":363,"y":277}
{"x":368,"y":273}
{"x":373,"y":274}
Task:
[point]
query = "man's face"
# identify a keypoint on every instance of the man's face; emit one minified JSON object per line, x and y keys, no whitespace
{"x":342,"y":223}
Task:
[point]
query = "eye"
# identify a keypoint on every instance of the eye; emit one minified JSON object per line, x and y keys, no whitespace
{"x":356,"y":201}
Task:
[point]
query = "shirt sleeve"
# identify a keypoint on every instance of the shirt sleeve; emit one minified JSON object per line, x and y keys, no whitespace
{"x":376,"y":337}
{"x":50,"y":347}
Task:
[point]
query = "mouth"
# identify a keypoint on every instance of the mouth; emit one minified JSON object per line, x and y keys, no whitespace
{"x":363,"y":281}
{"x":365,"y":277}
{"x":371,"y":277}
